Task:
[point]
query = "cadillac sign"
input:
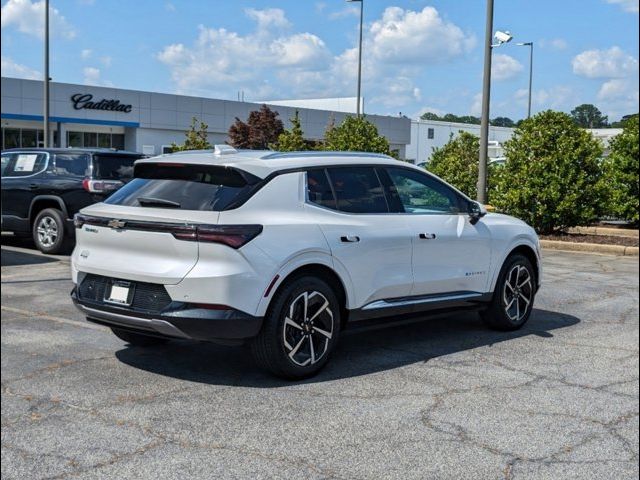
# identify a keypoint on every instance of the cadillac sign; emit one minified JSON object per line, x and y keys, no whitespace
{"x":85,"y":100}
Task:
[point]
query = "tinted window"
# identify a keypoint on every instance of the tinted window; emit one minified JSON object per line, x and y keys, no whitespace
{"x":418,"y":193}
{"x":187,"y":187}
{"x":25,"y":164}
{"x":113,"y":167}
{"x":5,"y":162}
{"x":72,"y":164}
{"x":318,"y":189}
{"x":358,"y":190}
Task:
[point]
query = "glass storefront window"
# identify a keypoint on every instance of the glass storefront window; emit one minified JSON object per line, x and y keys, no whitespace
{"x":74,"y":139}
{"x":11,"y":137}
{"x":104,"y":140}
{"x":117,"y":141}
{"x":29,"y":138}
{"x":90,"y":139}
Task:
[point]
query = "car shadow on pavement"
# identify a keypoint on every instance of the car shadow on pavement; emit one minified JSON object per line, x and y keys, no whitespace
{"x":11,"y":258}
{"x":358,"y":353}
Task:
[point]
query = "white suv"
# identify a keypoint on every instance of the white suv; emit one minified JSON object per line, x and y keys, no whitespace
{"x":284,"y":250}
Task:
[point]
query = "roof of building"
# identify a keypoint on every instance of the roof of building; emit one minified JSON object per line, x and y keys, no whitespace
{"x":262,"y":163}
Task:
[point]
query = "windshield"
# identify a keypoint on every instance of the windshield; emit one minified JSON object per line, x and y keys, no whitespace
{"x":186,"y":187}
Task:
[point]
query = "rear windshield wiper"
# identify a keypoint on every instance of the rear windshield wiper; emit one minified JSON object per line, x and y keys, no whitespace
{"x":149,"y":201}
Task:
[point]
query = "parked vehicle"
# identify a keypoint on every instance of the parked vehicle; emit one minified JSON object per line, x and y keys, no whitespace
{"x":42,"y":189}
{"x":284,"y":250}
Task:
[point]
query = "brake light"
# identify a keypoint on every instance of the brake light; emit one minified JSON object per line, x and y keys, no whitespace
{"x":234,"y":236}
{"x":100,"y":186}
{"x":79,"y":220}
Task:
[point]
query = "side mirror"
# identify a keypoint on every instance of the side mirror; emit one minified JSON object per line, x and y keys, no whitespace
{"x":476,"y":212}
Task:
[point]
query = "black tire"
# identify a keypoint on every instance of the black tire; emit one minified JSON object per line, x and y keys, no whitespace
{"x":49,"y":232}
{"x":513,"y":296}
{"x":300,"y":348}
{"x":138,"y":339}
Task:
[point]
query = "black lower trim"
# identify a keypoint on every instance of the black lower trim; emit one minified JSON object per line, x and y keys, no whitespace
{"x":422,"y":305}
{"x":178,"y":320}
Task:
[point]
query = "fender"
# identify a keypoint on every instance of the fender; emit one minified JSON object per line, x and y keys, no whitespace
{"x":317,"y":257}
{"x":519,"y":241}
{"x":54,"y":198}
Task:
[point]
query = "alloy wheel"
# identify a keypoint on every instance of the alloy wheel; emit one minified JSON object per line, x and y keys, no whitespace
{"x":47,"y":231}
{"x":308,"y":328}
{"x":517,"y":293}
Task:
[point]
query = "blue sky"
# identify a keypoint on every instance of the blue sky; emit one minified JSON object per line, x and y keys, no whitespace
{"x":418,"y":55}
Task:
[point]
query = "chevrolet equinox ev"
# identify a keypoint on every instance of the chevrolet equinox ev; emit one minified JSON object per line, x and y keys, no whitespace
{"x":283,"y":250}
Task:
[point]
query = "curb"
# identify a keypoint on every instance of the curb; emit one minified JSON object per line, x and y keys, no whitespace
{"x":589,"y":248}
{"x":616,"y":232}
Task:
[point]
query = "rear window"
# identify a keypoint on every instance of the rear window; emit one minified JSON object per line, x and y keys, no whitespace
{"x":185,"y":187}
{"x":74,"y":165}
{"x":113,"y":167}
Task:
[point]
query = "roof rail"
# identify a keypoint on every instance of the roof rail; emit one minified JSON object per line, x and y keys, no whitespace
{"x":324,"y":154}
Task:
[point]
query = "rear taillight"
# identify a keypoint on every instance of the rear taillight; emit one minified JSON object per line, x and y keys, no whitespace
{"x":234,"y":236}
{"x":78,"y":220}
{"x":100,"y":186}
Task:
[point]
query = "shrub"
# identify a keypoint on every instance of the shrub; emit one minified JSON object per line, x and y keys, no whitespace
{"x":552,"y":176}
{"x":457,"y":162}
{"x":621,"y":173}
{"x":355,"y":134}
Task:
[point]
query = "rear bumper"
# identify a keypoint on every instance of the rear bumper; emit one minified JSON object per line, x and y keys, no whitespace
{"x":179,"y":320}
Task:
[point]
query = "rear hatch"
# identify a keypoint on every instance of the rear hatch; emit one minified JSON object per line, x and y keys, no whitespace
{"x":109,"y":171}
{"x":149,"y":229}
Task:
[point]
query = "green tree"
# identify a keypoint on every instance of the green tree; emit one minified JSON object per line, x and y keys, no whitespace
{"x":261,"y":130}
{"x":552,"y":178}
{"x":429,"y":116}
{"x":292,"y":140}
{"x":503,"y":122}
{"x":588,"y":116}
{"x":457,"y":161}
{"x":196,"y":137}
{"x":621,"y":173}
{"x":355,"y":134}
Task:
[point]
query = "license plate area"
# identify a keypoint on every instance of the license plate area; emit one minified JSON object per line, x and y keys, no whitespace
{"x":119,"y":292}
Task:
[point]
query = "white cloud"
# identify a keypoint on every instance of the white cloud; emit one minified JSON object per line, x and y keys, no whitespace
{"x":169,"y":7}
{"x":28,"y":18}
{"x":611,"y":63}
{"x":347,"y":11}
{"x":558,"y":97}
{"x":504,"y":67}
{"x":619,"y":89}
{"x":106,"y":60}
{"x":405,"y":35}
{"x":268,"y":18}
{"x":476,"y":105}
{"x":12,"y":69}
{"x":554,"y":43}
{"x":85,"y":54}
{"x":93,"y":76}
{"x":300,"y":50}
{"x":630,"y":6}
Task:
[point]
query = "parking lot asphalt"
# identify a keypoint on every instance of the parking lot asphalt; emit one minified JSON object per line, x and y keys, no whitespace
{"x":443,"y":399}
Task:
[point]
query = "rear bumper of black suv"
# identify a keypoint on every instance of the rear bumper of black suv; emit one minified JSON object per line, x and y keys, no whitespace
{"x":177,"y":320}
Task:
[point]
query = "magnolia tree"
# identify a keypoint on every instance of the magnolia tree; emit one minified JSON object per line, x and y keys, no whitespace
{"x":552,"y":177}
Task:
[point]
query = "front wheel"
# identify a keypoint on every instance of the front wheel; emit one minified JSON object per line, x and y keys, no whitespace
{"x":513,"y":296}
{"x":300,"y":329}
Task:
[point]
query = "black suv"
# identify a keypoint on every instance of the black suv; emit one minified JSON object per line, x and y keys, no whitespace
{"x":42,"y":189}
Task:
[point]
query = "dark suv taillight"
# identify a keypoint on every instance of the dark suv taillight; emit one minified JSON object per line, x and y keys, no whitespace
{"x":100,"y":186}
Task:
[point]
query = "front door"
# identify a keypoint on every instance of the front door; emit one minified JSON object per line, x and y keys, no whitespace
{"x":450,"y":255}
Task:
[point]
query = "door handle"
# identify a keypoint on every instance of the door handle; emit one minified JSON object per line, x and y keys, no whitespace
{"x":349,"y":238}
{"x":427,"y":236}
{"x":33,"y":186}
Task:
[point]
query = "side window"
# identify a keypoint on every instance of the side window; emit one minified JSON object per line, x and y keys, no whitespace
{"x":318,"y":189}
{"x":24,"y":164}
{"x":358,"y":190}
{"x":72,"y":165}
{"x":5,"y":161}
{"x":418,"y":193}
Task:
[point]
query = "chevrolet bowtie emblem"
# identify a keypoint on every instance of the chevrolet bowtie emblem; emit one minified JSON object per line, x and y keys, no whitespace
{"x":115,"y":223}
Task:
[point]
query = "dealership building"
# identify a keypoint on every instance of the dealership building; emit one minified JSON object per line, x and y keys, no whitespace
{"x":147,"y":122}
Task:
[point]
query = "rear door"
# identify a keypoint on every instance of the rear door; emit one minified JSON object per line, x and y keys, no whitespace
{"x":23,"y":176}
{"x":371,"y":244}
{"x":450,"y":255}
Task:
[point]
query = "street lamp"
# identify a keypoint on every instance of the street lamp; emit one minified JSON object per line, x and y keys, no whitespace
{"x":501,"y":38}
{"x":530,"y":45}
{"x":46,"y":74}
{"x":361,"y":2}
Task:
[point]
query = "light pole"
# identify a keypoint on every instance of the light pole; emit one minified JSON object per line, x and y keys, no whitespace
{"x":361,"y":2}
{"x":501,"y":38}
{"x":530,"y":45}
{"x":46,"y":74}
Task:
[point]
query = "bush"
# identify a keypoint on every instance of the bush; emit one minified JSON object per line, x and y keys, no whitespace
{"x":457,"y":163}
{"x":621,"y":173}
{"x":355,"y":134}
{"x":292,"y":140}
{"x":552,"y":176}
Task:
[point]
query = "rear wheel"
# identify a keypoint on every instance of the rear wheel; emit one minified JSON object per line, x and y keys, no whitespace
{"x":49,"y":232}
{"x":513,"y":296}
{"x":137,"y":339}
{"x":300,"y":329}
